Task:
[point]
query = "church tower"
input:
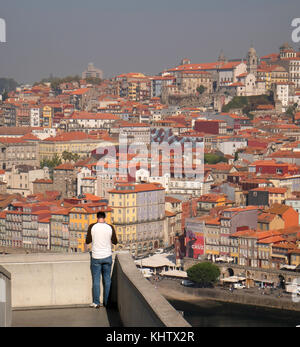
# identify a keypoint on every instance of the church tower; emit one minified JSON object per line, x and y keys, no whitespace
{"x":252,"y":61}
{"x":222,"y":57}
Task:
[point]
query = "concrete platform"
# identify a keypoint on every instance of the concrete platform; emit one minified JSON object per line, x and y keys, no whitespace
{"x":66,"y":317}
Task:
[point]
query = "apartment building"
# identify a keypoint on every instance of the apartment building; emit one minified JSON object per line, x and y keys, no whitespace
{"x":137,"y":133}
{"x":88,"y":121}
{"x":76,"y":142}
{"x":60,"y":240}
{"x":20,"y":178}
{"x":18,"y":151}
{"x":43,"y":242}
{"x":80,"y":217}
{"x":294,"y":71}
{"x":13,"y":229}
{"x":138,"y":215}
{"x":212,"y":238}
{"x":31,"y":216}
{"x":189,"y":81}
{"x":65,"y":180}
{"x":93,"y":72}
{"x":232,"y":220}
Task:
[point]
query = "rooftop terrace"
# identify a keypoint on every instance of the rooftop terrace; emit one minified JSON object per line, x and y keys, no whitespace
{"x":54,"y":290}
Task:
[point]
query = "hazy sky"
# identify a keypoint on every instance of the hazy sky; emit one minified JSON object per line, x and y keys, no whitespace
{"x":61,"y":37}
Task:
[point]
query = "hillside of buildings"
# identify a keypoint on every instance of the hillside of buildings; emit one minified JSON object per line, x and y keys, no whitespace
{"x":218,"y":177}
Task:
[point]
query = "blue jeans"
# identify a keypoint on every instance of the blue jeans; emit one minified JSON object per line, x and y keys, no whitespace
{"x":98,"y":267}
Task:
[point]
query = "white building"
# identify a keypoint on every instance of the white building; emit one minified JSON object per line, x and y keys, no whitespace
{"x":35,"y":117}
{"x":294,"y":71}
{"x":230,"y":146}
{"x":20,"y":178}
{"x":284,"y":92}
{"x":228,"y":73}
{"x":92,"y":72}
{"x":87,"y":121}
{"x":247,"y":84}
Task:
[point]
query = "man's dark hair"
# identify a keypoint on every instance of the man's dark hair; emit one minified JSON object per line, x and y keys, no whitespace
{"x":101,"y":215}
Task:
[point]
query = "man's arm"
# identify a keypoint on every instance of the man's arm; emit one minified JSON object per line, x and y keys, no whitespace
{"x":114,"y":239}
{"x":88,"y":238}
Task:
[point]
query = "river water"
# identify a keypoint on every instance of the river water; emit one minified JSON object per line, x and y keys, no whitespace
{"x":210,"y":313}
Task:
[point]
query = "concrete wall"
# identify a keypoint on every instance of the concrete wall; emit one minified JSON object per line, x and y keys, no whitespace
{"x":239,"y":297}
{"x":139,"y":303}
{"x":49,"y":279}
{"x":5,"y":298}
{"x":43,"y":280}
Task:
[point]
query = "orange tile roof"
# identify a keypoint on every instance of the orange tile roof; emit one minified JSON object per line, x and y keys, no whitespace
{"x":272,"y":190}
{"x":80,"y":91}
{"x":136,"y":188}
{"x":65,"y":166}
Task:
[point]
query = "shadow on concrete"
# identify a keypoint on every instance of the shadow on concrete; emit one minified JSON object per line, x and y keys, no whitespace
{"x":81,"y":316}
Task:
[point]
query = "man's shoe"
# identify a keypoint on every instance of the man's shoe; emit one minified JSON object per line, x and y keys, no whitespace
{"x":93,"y":305}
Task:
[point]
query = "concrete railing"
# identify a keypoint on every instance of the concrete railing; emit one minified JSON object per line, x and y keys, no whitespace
{"x":49,"y":280}
{"x":42,"y":280}
{"x":5,"y":298}
{"x":139,"y":303}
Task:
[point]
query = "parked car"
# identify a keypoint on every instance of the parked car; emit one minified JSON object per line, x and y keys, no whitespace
{"x":239,"y":286}
{"x":187,"y":283}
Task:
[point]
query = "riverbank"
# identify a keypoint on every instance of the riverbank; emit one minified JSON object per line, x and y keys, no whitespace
{"x":173,"y":290}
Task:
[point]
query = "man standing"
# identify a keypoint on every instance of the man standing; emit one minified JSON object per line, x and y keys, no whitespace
{"x":102,"y":236}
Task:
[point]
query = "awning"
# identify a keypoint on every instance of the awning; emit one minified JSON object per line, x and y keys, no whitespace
{"x":288,"y":267}
{"x":261,"y":280}
{"x":233,"y":279}
{"x":174,"y":273}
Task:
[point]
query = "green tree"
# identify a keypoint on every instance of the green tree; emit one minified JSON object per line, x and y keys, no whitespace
{"x":201,"y":89}
{"x":51,"y":163}
{"x":93,"y":80}
{"x":204,"y":273}
{"x":7,"y":84}
{"x":210,"y":158}
{"x":291,"y":111}
{"x":68,"y":156}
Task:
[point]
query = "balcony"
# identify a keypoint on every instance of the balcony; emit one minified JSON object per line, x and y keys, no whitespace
{"x":54,"y":290}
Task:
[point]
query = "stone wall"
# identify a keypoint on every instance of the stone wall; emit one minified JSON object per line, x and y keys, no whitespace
{"x":239,"y":297}
{"x":139,"y":303}
{"x":5,"y":298}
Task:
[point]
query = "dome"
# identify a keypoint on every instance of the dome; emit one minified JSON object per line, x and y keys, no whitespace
{"x":252,"y":51}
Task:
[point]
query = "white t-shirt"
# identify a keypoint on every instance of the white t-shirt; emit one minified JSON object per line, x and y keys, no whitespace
{"x":101,"y":244}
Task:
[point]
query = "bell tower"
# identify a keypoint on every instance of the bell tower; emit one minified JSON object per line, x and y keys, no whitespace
{"x":252,"y":61}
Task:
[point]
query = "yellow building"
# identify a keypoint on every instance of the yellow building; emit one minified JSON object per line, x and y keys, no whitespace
{"x":295,"y":256}
{"x":80,"y":217}
{"x":272,"y":74}
{"x":47,"y":116}
{"x":138,"y":215}
{"x":208,"y":201}
{"x":269,"y":221}
{"x":279,"y":74}
{"x":124,"y":207}
{"x":265,"y":74}
{"x":264,"y":251}
{"x":73,"y":142}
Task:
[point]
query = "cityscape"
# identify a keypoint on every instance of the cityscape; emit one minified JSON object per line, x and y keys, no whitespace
{"x":199,"y":162}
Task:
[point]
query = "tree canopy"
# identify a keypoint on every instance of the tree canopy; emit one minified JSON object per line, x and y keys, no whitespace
{"x":210,"y":158}
{"x":7,"y":85}
{"x":204,"y":273}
